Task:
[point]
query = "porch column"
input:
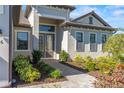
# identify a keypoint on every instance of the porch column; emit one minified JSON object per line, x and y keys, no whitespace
{"x":36,"y":31}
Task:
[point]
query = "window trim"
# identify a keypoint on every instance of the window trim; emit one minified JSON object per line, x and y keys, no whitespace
{"x":95,"y":35}
{"x":48,"y":25}
{"x":90,"y":22}
{"x":101,"y":40}
{"x":95,"y":40}
{"x":3,"y":10}
{"x":76,"y":41}
{"x":106,"y":36}
{"x":29,"y":49}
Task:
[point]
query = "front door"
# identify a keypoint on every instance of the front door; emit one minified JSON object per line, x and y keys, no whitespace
{"x":46,"y":45}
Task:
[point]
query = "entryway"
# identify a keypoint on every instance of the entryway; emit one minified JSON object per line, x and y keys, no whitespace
{"x":76,"y":79}
{"x":46,"y":44}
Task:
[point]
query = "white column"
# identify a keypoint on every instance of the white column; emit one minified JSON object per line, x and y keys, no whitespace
{"x":36,"y":31}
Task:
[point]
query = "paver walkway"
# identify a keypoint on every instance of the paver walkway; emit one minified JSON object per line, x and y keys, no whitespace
{"x":76,"y":79}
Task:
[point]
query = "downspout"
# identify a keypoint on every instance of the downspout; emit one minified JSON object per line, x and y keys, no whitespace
{"x":10,"y":42}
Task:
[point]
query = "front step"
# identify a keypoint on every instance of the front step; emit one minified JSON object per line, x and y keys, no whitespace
{"x":50,"y":60}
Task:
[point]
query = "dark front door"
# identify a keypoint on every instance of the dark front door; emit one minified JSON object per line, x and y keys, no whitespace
{"x":46,"y":45}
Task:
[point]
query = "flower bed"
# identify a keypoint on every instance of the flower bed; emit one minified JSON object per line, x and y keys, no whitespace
{"x":44,"y":78}
{"x":26,"y":72}
{"x":107,"y":70}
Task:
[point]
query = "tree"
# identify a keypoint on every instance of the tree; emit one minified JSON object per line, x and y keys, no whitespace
{"x":115,"y":45}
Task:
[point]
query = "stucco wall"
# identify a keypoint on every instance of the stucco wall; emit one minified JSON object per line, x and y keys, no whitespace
{"x":4,"y":45}
{"x":34,"y":21}
{"x":72,"y":42}
{"x":21,"y":52}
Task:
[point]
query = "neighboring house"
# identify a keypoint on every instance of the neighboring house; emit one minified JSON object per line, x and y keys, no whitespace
{"x":5,"y":45}
{"x":49,"y":29}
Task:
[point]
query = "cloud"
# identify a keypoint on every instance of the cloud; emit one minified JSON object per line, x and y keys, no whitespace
{"x":115,"y":10}
{"x":88,"y":9}
{"x":118,"y":12}
{"x":84,"y":10}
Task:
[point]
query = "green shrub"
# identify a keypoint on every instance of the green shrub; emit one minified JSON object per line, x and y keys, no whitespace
{"x":90,"y":66}
{"x":78,"y":58}
{"x":106,"y":68}
{"x":121,"y":58}
{"x":36,"y":54}
{"x":55,"y":74}
{"x":47,"y":69}
{"x":101,"y":59}
{"x":63,"y":56}
{"x":29,"y":74}
{"x":25,"y":70}
{"x":20,"y":62}
{"x":89,"y":63}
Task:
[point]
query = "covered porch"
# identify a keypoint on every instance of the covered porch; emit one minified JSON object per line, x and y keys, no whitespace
{"x":48,"y":29}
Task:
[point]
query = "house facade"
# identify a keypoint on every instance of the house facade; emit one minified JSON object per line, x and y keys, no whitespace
{"x":50,"y":30}
{"x":53,"y":31}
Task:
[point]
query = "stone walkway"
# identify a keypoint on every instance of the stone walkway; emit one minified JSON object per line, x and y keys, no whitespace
{"x":76,"y":79}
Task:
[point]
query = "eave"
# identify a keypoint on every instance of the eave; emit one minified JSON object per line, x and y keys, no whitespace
{"x":72,"y":24}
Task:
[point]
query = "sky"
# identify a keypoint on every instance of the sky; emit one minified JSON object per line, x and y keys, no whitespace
{"x":112,"y":14}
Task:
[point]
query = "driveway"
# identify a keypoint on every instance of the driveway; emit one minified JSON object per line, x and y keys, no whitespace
{"x":76,"y":79}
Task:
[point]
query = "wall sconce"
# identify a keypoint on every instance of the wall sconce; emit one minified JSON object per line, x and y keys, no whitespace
{"x":0,"y":32}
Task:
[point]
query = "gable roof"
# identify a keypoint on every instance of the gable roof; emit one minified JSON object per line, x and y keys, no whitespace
{"x":95,"y":15}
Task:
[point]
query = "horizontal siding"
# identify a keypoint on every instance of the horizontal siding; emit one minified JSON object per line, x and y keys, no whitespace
{"x":98,"y":45}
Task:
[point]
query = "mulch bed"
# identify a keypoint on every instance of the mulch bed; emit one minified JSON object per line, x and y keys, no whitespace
{"x":75,"y":66}
{"x":96,"y":74}
{"x":43,"y":80}
{"x":79,"y":67}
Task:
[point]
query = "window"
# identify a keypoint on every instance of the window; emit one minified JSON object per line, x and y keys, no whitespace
{"x":92,"y":38}
{"x":22,"y":40}
{"x":1,"y":9}
{"x":79,"y":41}
{"x":90,"y":20}
{"x":46,"y":28}
{"x":93,"y":45}
{"x":104,"y":38}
